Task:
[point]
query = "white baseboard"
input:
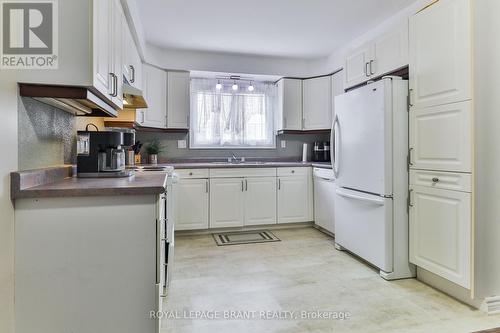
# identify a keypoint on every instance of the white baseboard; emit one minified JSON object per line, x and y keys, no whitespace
{"x":491,"y":305}
{"x":245,"y":228}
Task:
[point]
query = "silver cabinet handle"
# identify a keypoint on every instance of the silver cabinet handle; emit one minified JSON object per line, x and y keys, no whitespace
{"x":114,"y":85}
{"x":242,"y":186}
{"x":366,"y":69}
{"x":246,"y":185}
{"x":409,"y":97}
{"x":410,"y":153}
{"x":132,"y":76}
{"x":206,"y":186}
{"x":435,"y":180}
{"x":279,"y":183}
{"x":371,"y":67}
{"x":112,"y":92}
{"x":410,"y":201}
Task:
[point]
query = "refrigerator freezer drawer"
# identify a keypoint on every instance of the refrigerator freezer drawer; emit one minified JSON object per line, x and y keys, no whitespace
{"x":363,"y":225}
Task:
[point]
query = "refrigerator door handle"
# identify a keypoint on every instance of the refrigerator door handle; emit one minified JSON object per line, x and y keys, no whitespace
{"x":378,"y":202}
{"x":336,"y":144}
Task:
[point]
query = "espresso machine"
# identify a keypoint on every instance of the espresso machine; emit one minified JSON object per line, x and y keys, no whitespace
{"x":102,"y":153}
{"x":321,"y":151}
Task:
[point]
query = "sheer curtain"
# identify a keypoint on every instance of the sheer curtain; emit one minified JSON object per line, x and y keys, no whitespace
{"x":232,"y":119}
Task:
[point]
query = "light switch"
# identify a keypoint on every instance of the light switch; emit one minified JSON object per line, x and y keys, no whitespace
{"x":283,"y":143}
{"x":181,"y":144}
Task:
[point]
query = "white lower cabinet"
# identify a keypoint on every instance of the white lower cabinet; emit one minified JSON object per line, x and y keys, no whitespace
{"x":191,"y":204}
{"x":440,"y":233}
{"x":260,"y":201}
{"x":226,"y":202}
{"x":295,"y":198}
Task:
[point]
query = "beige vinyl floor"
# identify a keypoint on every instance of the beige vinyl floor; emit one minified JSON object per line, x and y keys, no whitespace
{"x":302,"y":273}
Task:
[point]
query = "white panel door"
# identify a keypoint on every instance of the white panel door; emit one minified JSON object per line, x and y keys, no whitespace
{"x":440,"y":233}
{"x":155,"y":90}
{"x":317,"y":103}
{"x":390,"y":50}
{"x":178,"y":100}
{"x":191,"y":204}
{"x":260,"y":201}
{"x":226,"y":202}
{"x":103,"y":27}
{"x":324,"y":211}
{"x":289,"y":115}
{"x":440,"y":137}
{"x":364,"y":226}
{"x":356,"y":66}
{"x":294,"y":199}
{"x":364,"y":132}
{"x":440,"y":59}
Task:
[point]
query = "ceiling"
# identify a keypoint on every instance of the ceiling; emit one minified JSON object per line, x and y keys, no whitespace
{"x":284,"y":28}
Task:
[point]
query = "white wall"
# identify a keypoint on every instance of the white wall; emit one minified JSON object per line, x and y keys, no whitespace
{"x":8,"y":163}
{"x":487,"y":136}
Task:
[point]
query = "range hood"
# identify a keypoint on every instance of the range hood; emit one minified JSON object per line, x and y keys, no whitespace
{"x":79,"y":101}
{"x":132,"y":97}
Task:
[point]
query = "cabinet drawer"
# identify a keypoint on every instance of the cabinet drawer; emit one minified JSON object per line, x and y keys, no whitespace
{"x":298,"y":171}
{"x":442,"y":180}
{"x":242,"y":172}
{"x":192,"y":173}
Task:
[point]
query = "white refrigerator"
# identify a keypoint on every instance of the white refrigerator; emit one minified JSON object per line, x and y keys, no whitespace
{"x":370,"y":132}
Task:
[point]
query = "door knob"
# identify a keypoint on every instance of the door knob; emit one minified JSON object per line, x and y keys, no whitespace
{"x":435,"y":179}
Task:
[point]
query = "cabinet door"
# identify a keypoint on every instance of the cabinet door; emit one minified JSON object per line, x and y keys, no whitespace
{"x":440,"y":59}
{"x":290,"y":105}
{"x":155,"y":90}
{"x":390,"y":51}
{"x":317,"y":103}
{"x":440,"y":137}
{"x":118,"y":19}
{"x":440,"y":233}
{"x":103,"y":27}
{"x":226,"y":202}
{"x":191,"y":204}
{"x":356,"y":66}
{"x":294,"y":199}
{"x":260,"y":200}
{"x":178,"y":100}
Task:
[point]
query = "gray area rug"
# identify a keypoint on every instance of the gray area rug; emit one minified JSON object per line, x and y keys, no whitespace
{"x":244,"y":237}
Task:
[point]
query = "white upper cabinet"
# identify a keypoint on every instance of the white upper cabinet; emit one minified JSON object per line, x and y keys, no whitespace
{"x":191,"y":204}
{"x":317,"y":103}
{"x":382,"y":55}
{"x":132,"y":64}
{"x":440,"y":54}
{"x":337,"y":88}
{"x":155,"y":92}
{"x":102,"y":57}
{"x":441,"y":137}
{"x":440,"y":233}
{"x":390,"y":51}
{"x":356,"y":66}
{"x":117,"y":53}
{"x":226,"y":202}
{"x":260,"y":200}
{"x":108,"y":21}
{"x":178,"y":100}
{"x":289,"y":112}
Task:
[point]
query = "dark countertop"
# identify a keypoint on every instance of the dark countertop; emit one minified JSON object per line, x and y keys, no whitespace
{"x":59,"y":181}
{"x":44,"y":184}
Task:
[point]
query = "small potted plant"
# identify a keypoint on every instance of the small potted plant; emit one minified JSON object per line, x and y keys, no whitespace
{"x":153,"y":149}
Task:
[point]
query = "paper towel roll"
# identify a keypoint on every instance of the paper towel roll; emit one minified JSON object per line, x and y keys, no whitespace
{"x":305,"y":150}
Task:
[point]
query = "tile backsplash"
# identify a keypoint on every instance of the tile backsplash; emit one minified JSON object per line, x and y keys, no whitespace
{"x":47,"y":135}
{"x":292,"y":151}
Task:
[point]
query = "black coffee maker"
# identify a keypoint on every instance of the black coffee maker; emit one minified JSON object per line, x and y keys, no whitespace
{"x":102,"y":153}
{"x":321,"y":151}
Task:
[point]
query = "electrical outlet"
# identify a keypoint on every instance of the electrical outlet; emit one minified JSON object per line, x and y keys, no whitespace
{"x":283,"y":143}
{"x":181,"y":144}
